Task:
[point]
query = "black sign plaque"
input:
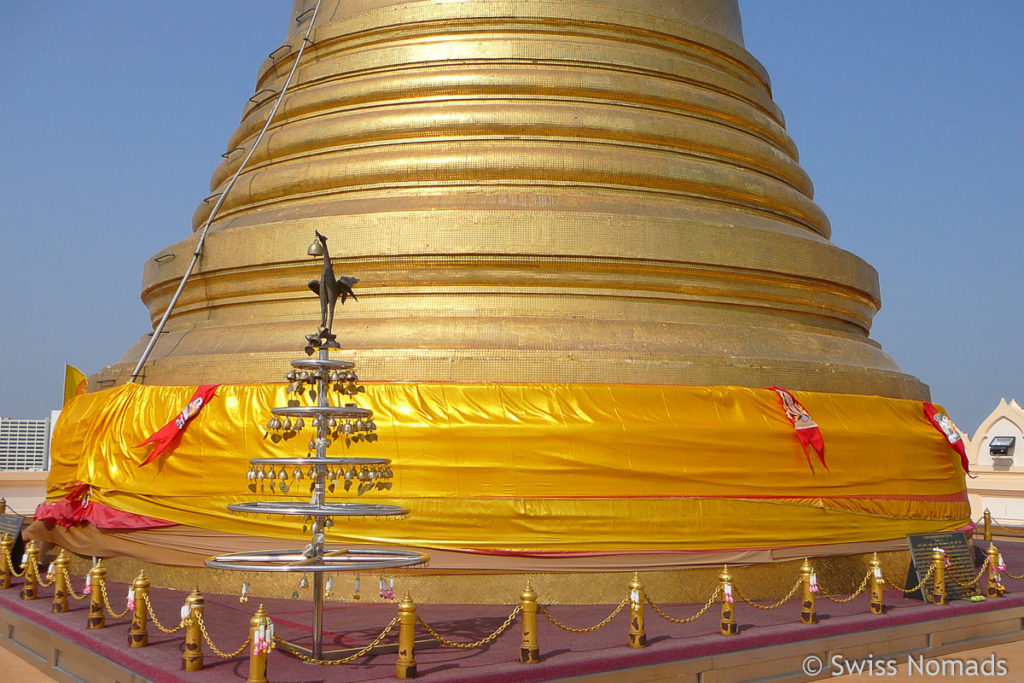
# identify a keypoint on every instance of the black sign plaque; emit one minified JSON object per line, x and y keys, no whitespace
{"x":960,"y":569}
{"x":10,"y":524}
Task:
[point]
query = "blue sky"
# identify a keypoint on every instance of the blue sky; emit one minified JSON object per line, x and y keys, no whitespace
{"x":907,"y":115}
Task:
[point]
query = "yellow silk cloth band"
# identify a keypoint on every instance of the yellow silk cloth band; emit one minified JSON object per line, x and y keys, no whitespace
{"x":542,"y":467}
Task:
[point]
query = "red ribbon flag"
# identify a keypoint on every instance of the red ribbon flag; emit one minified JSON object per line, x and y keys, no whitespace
{"x":167,"y":436}
{"x":806,"y":428}
{"x":945,"y":425}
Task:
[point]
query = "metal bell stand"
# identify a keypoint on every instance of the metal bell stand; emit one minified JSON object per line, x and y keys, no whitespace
{"x":321,"y":375}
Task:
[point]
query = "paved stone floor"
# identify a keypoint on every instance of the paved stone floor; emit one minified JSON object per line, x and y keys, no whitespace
{"x":18,"y":671}
{"x":1011,"y":653}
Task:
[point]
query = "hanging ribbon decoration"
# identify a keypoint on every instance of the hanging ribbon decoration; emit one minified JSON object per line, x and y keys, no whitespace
{"x":806,"y":428}
{"x":945,"y":425}
{"x":167,"y":436}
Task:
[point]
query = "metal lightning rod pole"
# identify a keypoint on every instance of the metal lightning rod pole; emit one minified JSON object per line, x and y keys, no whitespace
{"x":220,"y":200}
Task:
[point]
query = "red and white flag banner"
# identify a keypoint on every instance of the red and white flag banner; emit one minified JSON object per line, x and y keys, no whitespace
{"x":806,"y":428}
{"x":944,"y":424}
{"x":167,"y":436}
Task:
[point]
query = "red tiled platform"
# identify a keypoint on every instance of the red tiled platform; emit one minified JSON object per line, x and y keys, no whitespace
{"x":774,"y":635}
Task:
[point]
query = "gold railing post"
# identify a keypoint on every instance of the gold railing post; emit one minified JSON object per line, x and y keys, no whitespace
{"x":6,"y":545}
{"x":60,"y":582}
{"x":97,"y":615}
{"x":405,"y":666}
{"x":728,"y":626}
{"x":637,"y":635}
{"x":939,"y":577}
{"x":994,"y":588}
{"x":3,"y":505}
{"x":808,"y":612}
{"x":30,"y":565}
{"x":877,"y":592}
{"x":988,"y":526}
{"x":192,"y":655}
{"x":529,"y":651}
{"x":138,"y":636}
{"x":258,"y":655}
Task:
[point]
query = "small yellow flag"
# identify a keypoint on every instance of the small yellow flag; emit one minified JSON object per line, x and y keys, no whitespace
{"x":75,"y":382}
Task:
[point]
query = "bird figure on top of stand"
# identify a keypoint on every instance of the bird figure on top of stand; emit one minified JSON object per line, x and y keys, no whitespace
{"x":329,"y":288}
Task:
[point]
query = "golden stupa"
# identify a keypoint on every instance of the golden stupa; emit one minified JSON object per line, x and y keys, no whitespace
{"x":584,"y":244}
{"x":597,"y":191}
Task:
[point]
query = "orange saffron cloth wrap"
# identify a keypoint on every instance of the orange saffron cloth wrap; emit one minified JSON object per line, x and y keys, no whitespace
{"x":541,"y":468}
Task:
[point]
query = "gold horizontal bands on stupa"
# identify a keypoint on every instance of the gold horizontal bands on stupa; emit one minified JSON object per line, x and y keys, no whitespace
{"x":595,"y":191}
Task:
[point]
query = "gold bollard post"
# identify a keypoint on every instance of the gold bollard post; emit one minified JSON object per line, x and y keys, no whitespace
{"x":60,"y":582}
{"x":877,"y":592}
{"x":6,"y":545}
{"x":529,"y":651}
{"x":808,"y":612}
{"x":258,"y":656}
{"x":728,"y":626}
{"x":988,"y":526}
{"x":138,"y":636}
{"x":192,"y":655}
{"x":994,"y":588}
{"x":97,"y":615}
{"x":3,"y":505}
{"x":939,"y":577}
{"x":30,"y":589}
{"x":405,"y":666}
{"x":637,"y":635}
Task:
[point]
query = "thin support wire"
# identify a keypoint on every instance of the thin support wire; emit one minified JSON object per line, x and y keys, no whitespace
{"x":220,"y":201}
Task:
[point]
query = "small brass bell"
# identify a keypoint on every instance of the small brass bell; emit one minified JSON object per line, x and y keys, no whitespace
{"x":298,"y":424}
{"x":303,"y":582}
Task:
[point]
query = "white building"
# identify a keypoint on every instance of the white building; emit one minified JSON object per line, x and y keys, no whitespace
{"x":24,"y":461}
{"x":999,"y":485}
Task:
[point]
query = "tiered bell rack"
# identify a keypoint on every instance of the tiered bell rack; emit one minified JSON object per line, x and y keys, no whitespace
{"x":316,"y":378}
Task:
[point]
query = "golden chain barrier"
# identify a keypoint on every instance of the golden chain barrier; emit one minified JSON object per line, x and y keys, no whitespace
{"x":973,"y":583}
{"x":780,"y":603}
{"x":469,"y":646}
{"x":543,"y":610}
{"x":863,"y":584}
{"x":1013,"y":576}
{"x":156,"y":622}
{"x":39,"y":579}
{"x":931,"y":570}
{"x":10,"y":564}
{"x":285,"y":645}
{"x":106,"y":602}
{"x":206,"y":636}
{"x":71,"y":590}
{"x":705,"y":608}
